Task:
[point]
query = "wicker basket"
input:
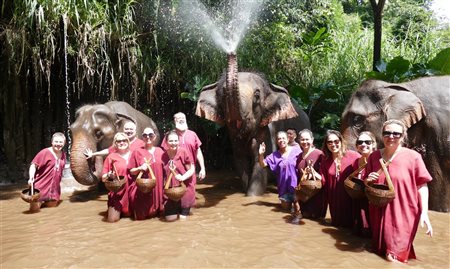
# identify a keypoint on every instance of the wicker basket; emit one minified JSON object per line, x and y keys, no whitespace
{"x":354,"y":187}
{"x":307,"y":189}
{"x":116,"y":184}
{"x":175,"y":193}
{"x":27,"y":197}
{"x":379,"y":194}
{"x":145,"y":185}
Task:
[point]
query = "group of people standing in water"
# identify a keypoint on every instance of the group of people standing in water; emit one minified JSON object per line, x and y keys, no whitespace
{"x":131,"y":157}
{"x":391,"y":227}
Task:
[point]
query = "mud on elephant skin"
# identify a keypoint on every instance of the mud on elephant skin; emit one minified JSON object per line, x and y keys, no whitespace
{"x":424,"y":106}
{"x":248,"y":105}
{"x":94,"y":128}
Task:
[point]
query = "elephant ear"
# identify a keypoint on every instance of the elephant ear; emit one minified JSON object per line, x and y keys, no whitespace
{"x":207,"y":105}
{"x":404,"y":105}
{"x":278,"y":105}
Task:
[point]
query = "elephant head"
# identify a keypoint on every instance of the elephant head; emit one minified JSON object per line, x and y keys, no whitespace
{"x":374,"y":103}
{"x":244,"y":101}
{"x":94,"y":128}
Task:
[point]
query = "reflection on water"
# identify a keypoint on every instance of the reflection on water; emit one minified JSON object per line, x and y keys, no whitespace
{"x":226,"y":229}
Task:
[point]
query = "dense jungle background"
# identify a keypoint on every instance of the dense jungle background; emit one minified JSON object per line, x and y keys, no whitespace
{"x":58,"y":55}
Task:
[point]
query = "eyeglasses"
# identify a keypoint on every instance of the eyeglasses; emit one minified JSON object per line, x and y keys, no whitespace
{"x":121,"y":141}
{"x":331,"y":142}
{"x":394,"y":134}
{"x":148,"y":135}
{"x":360,"y":142}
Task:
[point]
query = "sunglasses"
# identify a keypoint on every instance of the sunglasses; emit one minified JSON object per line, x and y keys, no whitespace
{"x":148,"y":135}
{"x":394,"y":134}
{"x":360,"y":142}
{"x":121,"y":141}
{"x":331,"y":142}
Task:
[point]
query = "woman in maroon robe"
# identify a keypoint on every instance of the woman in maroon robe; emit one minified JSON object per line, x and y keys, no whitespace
{"x":46,"y":172}
{"x":316,"y":206}
{"x":365,"y":145}
{"x":143,"y":205}
{"x":336,"y":166}
{"x":117,"y":161}
{"x":394,"y":226}
{"x":184,"y":171}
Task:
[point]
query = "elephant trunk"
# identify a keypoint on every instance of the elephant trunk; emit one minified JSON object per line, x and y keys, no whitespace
{"x":232,"y":100}
{"x":80,"y":166}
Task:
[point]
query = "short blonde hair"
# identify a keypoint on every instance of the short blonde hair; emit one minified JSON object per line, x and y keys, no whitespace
{"x":120,"y":134}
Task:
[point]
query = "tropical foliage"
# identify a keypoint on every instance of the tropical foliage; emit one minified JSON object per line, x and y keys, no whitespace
{"x":57,"y":55}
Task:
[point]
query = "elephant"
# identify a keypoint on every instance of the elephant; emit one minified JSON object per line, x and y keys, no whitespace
{"x":94,"y":128}
{"x":423,"y":105}
{"x":253,"y":110}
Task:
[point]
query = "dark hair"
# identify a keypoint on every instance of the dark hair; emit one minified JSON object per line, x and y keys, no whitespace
{"x":325,"y":149}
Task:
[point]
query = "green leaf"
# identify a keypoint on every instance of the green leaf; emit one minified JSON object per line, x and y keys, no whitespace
{"x":441,"y":62}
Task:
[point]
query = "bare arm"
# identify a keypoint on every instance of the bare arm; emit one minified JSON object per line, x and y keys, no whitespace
{"x":188,"y":174}
{"x":201,"y":162}
{"x":262,"y":149}
{"x":424,"y":219}
{"x":89,"y":153}
{"x":31,"y":173}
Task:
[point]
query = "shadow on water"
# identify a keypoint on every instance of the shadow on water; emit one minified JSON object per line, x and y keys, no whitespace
{"x":346,"y":241}
{"x":82,"y":196}
{"x":11,"y":191}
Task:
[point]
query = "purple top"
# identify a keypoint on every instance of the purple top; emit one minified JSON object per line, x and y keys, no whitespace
{"x":284,"y":170}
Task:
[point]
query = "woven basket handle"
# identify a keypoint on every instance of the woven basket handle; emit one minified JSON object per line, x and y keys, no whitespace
{"x":172,"y":173}
{"x":150,"y":170}
{"x":386,"y":173}
{"x":359,"y":169}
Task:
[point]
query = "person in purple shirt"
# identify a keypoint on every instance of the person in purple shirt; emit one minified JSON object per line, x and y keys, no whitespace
{"x":283,"y":164}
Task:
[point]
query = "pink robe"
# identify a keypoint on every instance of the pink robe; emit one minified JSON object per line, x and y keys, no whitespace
{"x":117,"y":200}
{"x":151,"y":203}
{"x":181,"y":159}
{"x":340,"y":203}
{"x":191,"y":143}
{"x":361,"y":222}
{"x":47,"y":178}
{"x":395,"y":225}
{"x":316,"y":206}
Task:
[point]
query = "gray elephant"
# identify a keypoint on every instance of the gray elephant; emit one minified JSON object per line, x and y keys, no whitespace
{"x":247,"y":104}
{"x":94,"y":128}
{"x":424,"y":106}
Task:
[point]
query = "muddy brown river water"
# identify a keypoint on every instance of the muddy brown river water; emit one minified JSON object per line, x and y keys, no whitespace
{"x":226,"y":229}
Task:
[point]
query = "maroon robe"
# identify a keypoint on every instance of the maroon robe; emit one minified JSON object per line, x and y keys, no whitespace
{"x":316,"y":206}
{"x":47,"y":178}
{"x":361,"y":222}
{"x":151,"y":203}
{"x":117,"y":200}
{"x":395,"y":225}
{"x":191,"y":143}
{"x":181,"y":159}
{"x":340,"y":203}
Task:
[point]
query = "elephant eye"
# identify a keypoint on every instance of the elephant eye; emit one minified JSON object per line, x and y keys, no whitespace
{"x":98,"y":134}
{"x":257,"y":96}
{"x":357,"y":121}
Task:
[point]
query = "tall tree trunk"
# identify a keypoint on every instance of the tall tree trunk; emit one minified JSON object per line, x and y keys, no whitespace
{"x":377,"y":30}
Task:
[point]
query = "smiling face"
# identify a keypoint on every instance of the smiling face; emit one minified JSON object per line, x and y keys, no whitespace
{"x":364,"y":145}
{"x":333,"y":144}
{"x":172,"y":141}
{"x":149,"y":137}
{"x":306,"y":141}
{"x":129,"y":129}
{"x":393,"y":135}
{"x":58,"y":143}
{"x":121,"y":142}
{"x":282,"y":140}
